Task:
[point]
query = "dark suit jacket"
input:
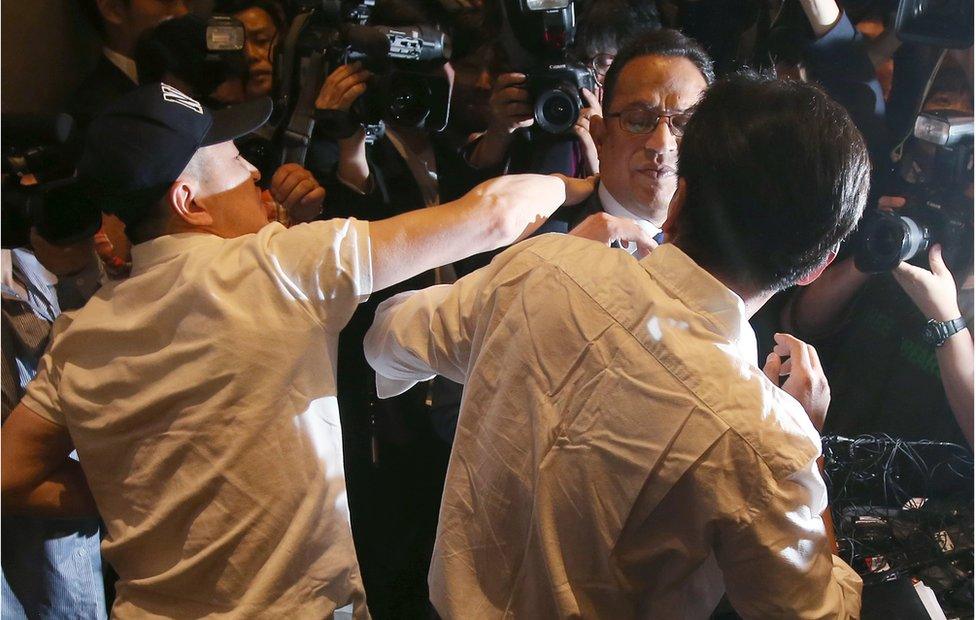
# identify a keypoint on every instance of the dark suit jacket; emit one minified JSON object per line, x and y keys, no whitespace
{"x":105,"y":84}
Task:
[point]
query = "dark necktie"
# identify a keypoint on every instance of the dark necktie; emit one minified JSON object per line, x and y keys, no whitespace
{"x":659,"y":238}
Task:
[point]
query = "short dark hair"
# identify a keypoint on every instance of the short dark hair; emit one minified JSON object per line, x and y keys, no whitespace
{"x":776,"y":176}
{"x":663,"y":42}
{"x":271,"y":7}
{"x":611,"y":24}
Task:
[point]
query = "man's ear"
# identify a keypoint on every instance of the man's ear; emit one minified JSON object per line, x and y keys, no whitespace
{"x":183,"y":202}
{"x":112,"y":11}
{"x":819,"y":270}
{"x":677,"y":203}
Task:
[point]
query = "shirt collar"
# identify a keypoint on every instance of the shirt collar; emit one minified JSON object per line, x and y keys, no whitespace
{"x":154,"y":251}
{"x":613,"y":207}
{"x":125,"y":64}
{"x":701,"y":292}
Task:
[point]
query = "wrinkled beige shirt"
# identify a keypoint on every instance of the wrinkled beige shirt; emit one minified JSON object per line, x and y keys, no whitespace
{"x":619,"y":454}
{"x":200,"y":395}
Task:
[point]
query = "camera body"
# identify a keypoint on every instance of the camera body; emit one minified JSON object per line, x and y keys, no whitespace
{"x":936,"y":211}
{"x":537,"y":35}
{"x":555,"y":95}
{"x":408,"y":89}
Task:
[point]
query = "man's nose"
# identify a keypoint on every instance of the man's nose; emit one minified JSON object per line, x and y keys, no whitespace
{"x":661,"y":140}
{"x":180,"y":8}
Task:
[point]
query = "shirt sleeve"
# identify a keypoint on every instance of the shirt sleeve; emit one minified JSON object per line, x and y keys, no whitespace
{"x":42,"y":395}
{"x":326,"y":265}
{"x":777,"y":562}
{"x":419,"y":334}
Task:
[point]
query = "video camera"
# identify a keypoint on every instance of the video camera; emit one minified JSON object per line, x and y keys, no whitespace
{"x":537,"y":35}
{"x":201,"y":53}
{"x":403,"y":91}
{"x":937,"y":212}
{"x":40,"y":189}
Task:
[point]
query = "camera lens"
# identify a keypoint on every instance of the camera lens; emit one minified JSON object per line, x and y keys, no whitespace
{"x":408,"y":105}
{"x":889,"y":239}
{"x":556,"y":110}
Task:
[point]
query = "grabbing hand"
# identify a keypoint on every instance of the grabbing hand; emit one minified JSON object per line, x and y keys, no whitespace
{"x":806,"y":381}
{"x":934,"y":292}
{"x":342,"y":87}
{"x":582,"y":131}
{"x":296,"y":189}
{"x":510,"y":106}
{"x":608,"y":229}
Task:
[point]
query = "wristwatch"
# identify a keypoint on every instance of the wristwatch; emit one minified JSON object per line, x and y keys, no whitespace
{"x":936,"y":333}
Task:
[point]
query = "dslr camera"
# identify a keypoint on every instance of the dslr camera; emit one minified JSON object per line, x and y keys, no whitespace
{"x":537,"y":35}
{"x":937,"y":211}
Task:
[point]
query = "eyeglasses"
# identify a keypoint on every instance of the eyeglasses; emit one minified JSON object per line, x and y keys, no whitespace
{"x":642,"y":121}
{"x":599,"y":65}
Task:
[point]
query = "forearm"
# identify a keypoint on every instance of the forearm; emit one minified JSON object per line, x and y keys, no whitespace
{"x":63,"y":494}
{"x":353,"y":168}
{"x":490,"y":216}
{"x":491,"y":150}
{"x":955,"y":359}
{"x":816,"y":309}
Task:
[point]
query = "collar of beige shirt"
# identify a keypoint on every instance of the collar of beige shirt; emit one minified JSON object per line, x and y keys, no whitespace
{"x":700,"y":291}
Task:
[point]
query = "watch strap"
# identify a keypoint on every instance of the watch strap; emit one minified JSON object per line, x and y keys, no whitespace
{"x":937,"y":332}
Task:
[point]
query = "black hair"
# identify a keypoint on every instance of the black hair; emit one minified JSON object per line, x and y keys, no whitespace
{"x":776,"y":177}
{"x":663,"y":42}
{"x":272,"y":8}
{"x":611,"y":24}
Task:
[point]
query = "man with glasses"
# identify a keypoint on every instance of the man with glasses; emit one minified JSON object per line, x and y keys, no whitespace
{"x":649,"y":94}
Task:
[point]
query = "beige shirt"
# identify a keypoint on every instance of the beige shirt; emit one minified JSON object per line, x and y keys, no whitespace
{"x":618,"y":454}
{"x":200,"y":395}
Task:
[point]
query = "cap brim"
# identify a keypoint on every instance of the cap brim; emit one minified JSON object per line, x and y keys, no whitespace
{"x":239,"y":120}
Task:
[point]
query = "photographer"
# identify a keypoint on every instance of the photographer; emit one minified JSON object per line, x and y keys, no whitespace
{"x":506,"y":145}
{"x":264,"y":23}
{"x":887,"y":374}
{"x":393,"y":457}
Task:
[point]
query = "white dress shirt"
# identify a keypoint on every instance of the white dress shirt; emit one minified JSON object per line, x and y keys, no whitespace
{"x":200,"y":394}
{"x":612,"y":207}
{"x":618,"y":454}
{"x":125,"y":64}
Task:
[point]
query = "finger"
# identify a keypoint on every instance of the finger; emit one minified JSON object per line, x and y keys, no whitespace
{"x":905,"y":273}
{"x":936,"y":261}
{"x":300,"y":190}
{"x":518,"y":111}
{"x":283,"y":171}
{"x":771,"y":367}
{"x":352,"y":80}
{"x":352,"y":94}
{"x":509,"y":79}
{"x":290,"y":182}
{"x":796,"y":347}
{"x":314,"y":197}
{"x":891,"y":202}
{"x":591,"y":101}
{"x":814,"y":358}
{"x":510,"y":95}
{"x":786,"y":367}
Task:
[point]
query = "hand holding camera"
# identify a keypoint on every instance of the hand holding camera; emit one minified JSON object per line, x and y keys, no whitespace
{"x":342,"y":87}
{"x":510,"y":105}
{"x":582,"y":130}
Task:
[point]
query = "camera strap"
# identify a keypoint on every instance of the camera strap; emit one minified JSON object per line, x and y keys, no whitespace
{"x":298,"y":133}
